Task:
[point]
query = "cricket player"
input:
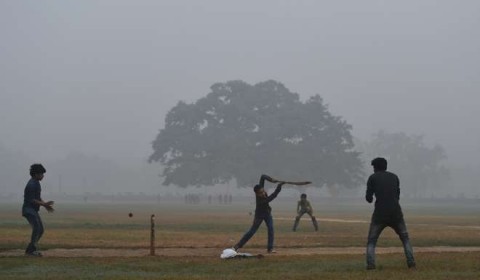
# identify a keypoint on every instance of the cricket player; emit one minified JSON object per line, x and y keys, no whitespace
{"x":31,"y":205}
{"x":385,"y":186}
{"x":304,"y":206}
{"x":262,"y":213}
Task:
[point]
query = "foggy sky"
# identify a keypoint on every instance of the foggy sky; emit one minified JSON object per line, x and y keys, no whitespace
{"x":99,"y":76}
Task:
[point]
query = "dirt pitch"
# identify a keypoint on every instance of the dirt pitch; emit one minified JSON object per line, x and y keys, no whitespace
{"x":215,"y":252}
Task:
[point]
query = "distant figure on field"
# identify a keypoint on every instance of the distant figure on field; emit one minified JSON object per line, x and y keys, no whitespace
{"x":388,"y":213}
{"x":304,"y":206}
{"x":31,"y":205}
{"x":262,"y":213}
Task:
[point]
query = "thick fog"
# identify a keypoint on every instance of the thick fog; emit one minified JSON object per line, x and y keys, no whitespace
{"x":96,"y":78}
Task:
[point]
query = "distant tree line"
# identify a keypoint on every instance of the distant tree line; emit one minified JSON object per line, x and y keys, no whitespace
{"x":239,"y":131}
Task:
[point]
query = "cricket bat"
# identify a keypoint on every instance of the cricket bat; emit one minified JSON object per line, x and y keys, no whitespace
{"x":297,"y":183}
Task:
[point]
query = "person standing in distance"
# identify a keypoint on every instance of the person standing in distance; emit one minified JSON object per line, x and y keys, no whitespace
{"x":385,"y":186}
{"x":31,"y":205}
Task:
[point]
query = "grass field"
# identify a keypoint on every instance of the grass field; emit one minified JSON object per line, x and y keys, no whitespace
{"x":343,"y":224}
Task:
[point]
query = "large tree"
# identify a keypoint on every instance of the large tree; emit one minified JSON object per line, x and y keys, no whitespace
{"x":239,"y":131}
{"x":420,"y":168}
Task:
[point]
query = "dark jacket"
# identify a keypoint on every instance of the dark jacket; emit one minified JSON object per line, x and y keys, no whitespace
{"x":262,"y":208}
{"x":31,"y":193}
{"x":385,"y":186}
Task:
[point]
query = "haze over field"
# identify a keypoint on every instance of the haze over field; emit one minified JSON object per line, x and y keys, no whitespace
{"x":97,"y":78}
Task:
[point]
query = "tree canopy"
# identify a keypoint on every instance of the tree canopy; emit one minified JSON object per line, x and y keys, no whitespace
{"x":239,"y":131}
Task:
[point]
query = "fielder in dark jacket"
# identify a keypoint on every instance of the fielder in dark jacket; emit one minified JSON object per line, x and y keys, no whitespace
{"x":32,"y":201}
{"x":262,"y":213}
{"x":385,"y":186}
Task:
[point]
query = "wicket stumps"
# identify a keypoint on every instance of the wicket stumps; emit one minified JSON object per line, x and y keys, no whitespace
{"x":152,"y":235}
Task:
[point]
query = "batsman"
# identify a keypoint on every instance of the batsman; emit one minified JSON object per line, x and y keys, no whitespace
{"x":262,"y":212}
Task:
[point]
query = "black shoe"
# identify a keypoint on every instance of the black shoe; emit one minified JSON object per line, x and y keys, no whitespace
{"x":34,"y":254}
{"x":371,"y":267}
{"x":412,"y":266}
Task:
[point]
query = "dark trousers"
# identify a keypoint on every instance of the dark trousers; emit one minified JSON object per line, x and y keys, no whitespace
{"x":400,"y":229}
{"x":257,"y":221}
{"x":35,"y":222}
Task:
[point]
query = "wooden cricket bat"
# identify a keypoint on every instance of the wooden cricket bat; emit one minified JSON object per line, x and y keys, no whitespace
{"x":298,"y":183}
